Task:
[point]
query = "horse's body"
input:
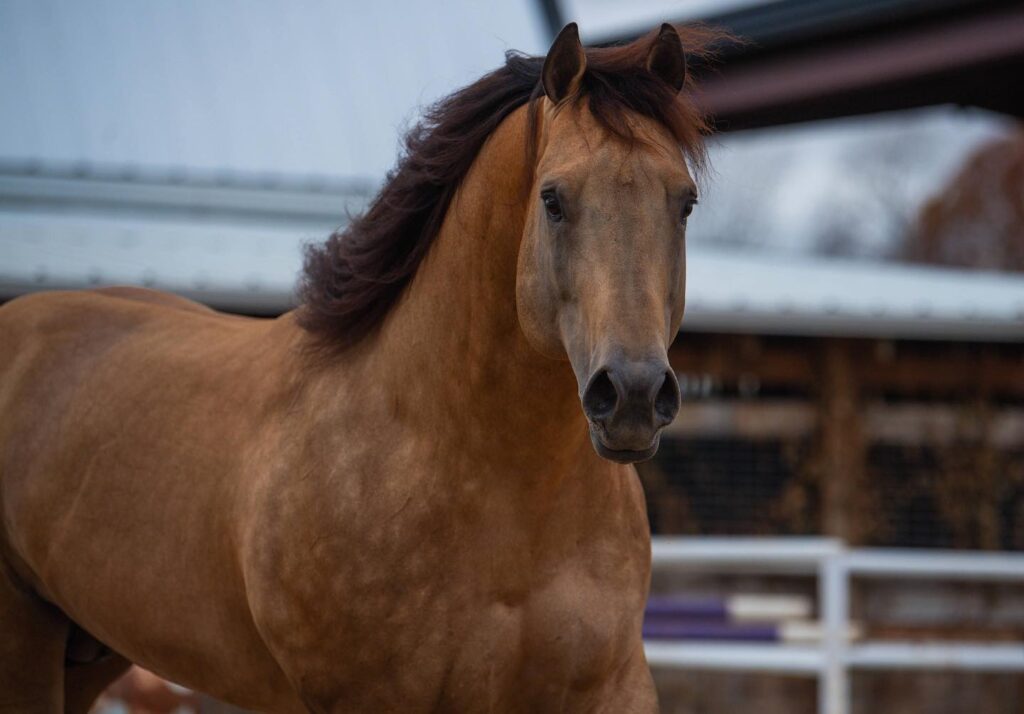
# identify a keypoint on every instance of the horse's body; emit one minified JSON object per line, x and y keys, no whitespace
{"x":415,"y":523}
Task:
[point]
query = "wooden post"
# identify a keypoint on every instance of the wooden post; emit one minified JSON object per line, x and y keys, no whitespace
{"x":842,"y":447}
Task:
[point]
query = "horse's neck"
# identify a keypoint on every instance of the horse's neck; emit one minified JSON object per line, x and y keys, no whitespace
{"x":453,"y":347}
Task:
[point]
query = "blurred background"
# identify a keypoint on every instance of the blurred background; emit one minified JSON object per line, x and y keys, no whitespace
{"x":852,"y":359}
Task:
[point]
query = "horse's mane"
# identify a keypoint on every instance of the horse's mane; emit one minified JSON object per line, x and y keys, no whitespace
{"x":351,"y":281}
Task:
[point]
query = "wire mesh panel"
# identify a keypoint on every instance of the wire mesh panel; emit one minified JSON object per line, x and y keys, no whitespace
{"x":727,"y":486}
{"x":947,"y":496}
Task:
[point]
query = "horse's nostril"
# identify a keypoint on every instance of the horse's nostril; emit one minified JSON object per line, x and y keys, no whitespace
{"x":666,"y":403}
{"x":600,"y":398}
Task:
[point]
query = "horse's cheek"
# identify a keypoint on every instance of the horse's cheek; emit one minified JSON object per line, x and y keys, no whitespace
{"x":537,"y":300}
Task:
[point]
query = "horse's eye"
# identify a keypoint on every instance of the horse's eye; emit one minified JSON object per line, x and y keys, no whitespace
{"x":687,"y":209}
{"x":551,"y":204}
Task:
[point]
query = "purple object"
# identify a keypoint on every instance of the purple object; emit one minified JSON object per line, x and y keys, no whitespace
{"x":672,"y":628}
{"x":690,"y":607}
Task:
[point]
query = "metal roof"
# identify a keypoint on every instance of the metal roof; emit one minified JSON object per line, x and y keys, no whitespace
{"x":742,"y":291}
{"x":240,"y":249}
{"x":231,"y":90}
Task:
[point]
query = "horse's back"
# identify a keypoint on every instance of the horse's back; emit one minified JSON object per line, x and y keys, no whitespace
{"x":153,"y":297}
{"x":91,"y":314}
{"x":66,"y":326}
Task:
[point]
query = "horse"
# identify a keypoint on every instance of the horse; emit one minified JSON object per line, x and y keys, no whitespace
{"x":414,"y":492}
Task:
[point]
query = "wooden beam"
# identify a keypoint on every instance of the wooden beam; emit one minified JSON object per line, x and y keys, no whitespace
{"x":890,"y":366}
{"x":902,"y":423}
{"x":761,"y":419}
{"x":732,"y":357}
{"x":842,"y":446}
{"x":962,"y":60}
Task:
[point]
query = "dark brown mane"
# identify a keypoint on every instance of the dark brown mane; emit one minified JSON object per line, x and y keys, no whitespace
{"x":351,"y":281}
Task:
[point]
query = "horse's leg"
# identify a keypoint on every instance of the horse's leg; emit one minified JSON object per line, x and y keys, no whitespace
{"x":33,"y":637}
{"x":83,"y":683}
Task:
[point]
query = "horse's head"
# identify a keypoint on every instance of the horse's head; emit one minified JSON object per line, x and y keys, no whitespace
{"x":601,"y":271}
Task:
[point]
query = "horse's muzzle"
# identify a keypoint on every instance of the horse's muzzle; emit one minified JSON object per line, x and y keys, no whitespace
{"x":628,"y":403}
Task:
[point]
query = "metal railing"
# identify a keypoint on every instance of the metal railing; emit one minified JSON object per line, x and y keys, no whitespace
{"x":832,"y":659}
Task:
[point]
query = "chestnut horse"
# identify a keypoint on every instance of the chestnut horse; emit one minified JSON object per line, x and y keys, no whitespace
{"x":389,"y":500}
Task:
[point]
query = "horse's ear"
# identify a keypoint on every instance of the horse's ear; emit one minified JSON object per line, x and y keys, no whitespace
{"x":565,"y":64}
{"x":666,"y":59}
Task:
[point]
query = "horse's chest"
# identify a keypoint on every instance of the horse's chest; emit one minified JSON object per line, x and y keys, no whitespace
{"x":413,"y":648}
{"x":580,"y":626}
{"x":570,"y":635}
{"x":475,"y":611}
